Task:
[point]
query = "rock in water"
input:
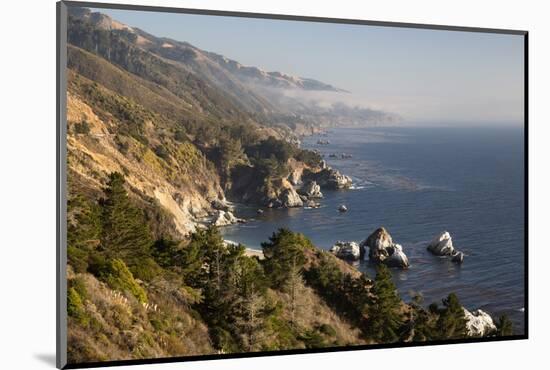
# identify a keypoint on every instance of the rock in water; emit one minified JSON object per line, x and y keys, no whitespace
{"x":330,"y":178}
{"x":224,"y":218}
{"x":478,"y":323}
{"x":442,"y":244}
{"x":336,"y":180}
{"x":346,"y":250}
{"x":290,"y":198}
{"x":342,"y":208}
{"x":397,"y":258}
{"x":311,"y":190}
{"x":312,"y":204}
{"x":377,"y":243}
{"x":458,"y":257}
{"x":382,"y":249}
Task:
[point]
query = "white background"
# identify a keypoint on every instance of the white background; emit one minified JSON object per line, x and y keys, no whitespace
{"x":27,"y":154}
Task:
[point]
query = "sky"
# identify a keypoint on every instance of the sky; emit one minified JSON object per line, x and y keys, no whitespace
{"x":422,"y":75}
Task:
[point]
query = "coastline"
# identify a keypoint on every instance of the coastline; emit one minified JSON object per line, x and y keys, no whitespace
{"x":385,"y":188}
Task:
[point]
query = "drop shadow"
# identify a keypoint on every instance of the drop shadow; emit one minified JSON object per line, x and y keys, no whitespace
{"x":47,"y":358}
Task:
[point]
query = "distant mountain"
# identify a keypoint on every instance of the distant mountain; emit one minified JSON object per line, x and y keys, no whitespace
{"x":237,"y":80}
{"x":271,"y":79}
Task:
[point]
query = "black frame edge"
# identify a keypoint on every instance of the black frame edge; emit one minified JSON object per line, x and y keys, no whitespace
{"x":184,"y":359}
{"x":526,"y":181}
{"x":288,"y":17}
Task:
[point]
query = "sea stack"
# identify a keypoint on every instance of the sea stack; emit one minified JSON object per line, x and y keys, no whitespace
{"x":442,"y":245}
{"x":382,"y":249}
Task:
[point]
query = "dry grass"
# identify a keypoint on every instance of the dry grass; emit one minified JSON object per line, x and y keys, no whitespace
{"x":116,"y":326}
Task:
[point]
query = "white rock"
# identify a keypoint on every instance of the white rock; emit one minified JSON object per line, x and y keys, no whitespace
{"x":442,"y":245}
{"x":311,"y":190}
{"x":398,"y":258}
{"x":346,"y":250}
{"x":478,"y":323}
{"x":382,"y":249}
{"x":290,"y":198}
{"x":224,"y":218}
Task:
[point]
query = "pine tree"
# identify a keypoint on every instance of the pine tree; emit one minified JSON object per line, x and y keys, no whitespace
{"x":125,"y":232}
{"x":284,"y":249}
{"x":505,"y":327}
{"x":384,"y":318}
{"x":250,"y":320}
{"x":295,"y":287}
{"x":83,"y":221}
{"x":451,"y":323}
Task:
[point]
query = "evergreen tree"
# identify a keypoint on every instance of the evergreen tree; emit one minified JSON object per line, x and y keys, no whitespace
{"x":284,"y":250}
{"x":451,"y":323}
{"x":295,"y":287}
{"x":250,"y":305}
{"x":384,"y":319}
{"x":125,"y":231}
{"x":505,"y":327}
{"x":419,"y":326}
{"x":83,"y":221}
{"x":83,"y":231}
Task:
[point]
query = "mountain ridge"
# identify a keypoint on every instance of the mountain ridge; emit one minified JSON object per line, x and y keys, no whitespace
{"x":275,"y":79}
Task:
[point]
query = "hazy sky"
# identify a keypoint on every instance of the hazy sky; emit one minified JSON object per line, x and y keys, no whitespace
{"x":423,"y":75}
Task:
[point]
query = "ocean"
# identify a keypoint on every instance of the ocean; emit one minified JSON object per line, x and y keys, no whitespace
{"x":418,"y":182}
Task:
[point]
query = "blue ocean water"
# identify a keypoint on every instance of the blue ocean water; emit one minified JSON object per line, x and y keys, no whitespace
{"x":417,"y":182}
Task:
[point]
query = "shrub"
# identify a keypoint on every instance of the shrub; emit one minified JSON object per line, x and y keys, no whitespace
{"x":327,"y":330}
{"x":77,"y":258}
{"x":75,"y":307}
{"x":117,"y":275}
{"x":161,"y":152}
{"x":74,"y":303}
{"x":82,"y":127}
{"x":312,"y":339}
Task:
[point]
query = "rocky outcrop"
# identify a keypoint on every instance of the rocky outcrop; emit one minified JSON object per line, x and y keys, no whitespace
{"x":290,"y":198}
{"x":458,"y":257}
{"x":224,"y":218}
{"x":311,"y":190}
{"x":220,"y":205}
{"x":329,"y":178}
{"x":346,"y":250}
{"x":312,"y":204}
{"x":479,"y":323}
{"x":442,"y":245}
{"x":382,"y":249}
{"x":336,"y":180}
{"x":396,"y":257}
{"x":295,"y":177}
